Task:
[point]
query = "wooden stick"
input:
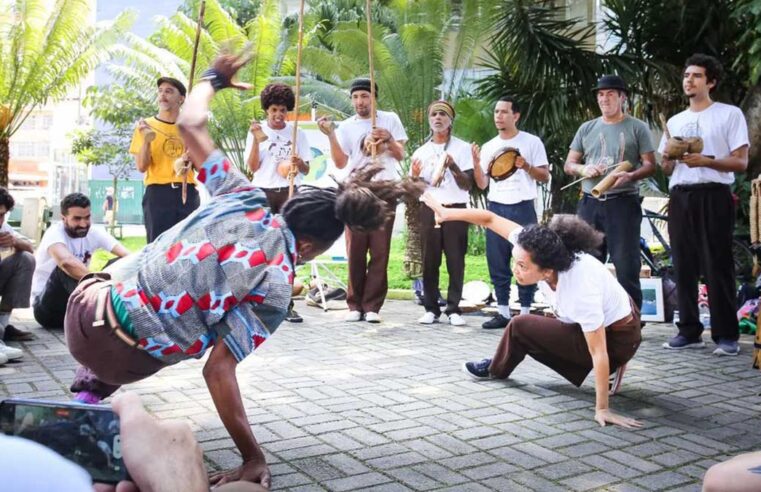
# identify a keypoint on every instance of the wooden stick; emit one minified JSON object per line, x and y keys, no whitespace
{"x":374,"y":147}
{"x":586,"y":177}
{"x":294,"y":147}
{"x":190,"y":87}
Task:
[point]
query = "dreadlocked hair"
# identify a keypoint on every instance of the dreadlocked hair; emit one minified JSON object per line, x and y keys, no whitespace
{"x":555,"y":246}
{"x":359,"y":203}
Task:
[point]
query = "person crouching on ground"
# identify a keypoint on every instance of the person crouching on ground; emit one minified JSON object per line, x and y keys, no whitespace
{"x":597,"y":326}
{"x":220,"y":279}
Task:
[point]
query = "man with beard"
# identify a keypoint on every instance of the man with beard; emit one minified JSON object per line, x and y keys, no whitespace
{"x":351,"y":146}
{"x":701,"y":209}
{"x":156,"y":145}
{"x":446,"y":163}
{"x":63,"y":258}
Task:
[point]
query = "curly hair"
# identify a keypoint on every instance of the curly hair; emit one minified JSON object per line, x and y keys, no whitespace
{"x":6,"y":199}
{"x":712,"y":66}
{"x":277,"y":94}
{"x":361,"y":204}
{"x":555,"y":245}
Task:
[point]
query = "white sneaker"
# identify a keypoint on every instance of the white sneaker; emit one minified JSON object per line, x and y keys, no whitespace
{"x":3,"y":358}
{"x":353,"y":316}
{"x":456,"y":320}
{"x":372,"y":317}
{"x":11,"y":353}
{"x":428,"y":318}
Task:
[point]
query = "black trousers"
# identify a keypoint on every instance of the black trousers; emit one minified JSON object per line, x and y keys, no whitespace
{"x":163,"y":208}
{"x":452,"y":240}
{"x":701,"y":224}
{"x":619,"y":218}
{"x":49,"y":307}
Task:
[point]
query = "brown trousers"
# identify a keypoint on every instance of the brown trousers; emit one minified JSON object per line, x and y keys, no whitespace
{"x":276,"y":198}
{"x":452,"y":240}
{"x":368,"y":282}
{"x":107,"y":361}
{"x":562,"y":346}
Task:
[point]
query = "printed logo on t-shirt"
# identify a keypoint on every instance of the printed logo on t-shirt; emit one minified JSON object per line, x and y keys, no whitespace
{"x":173,"y":147}
{"x":691,"y":129}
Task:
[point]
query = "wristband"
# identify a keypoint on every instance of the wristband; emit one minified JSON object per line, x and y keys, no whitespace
{"x":216,"y":79}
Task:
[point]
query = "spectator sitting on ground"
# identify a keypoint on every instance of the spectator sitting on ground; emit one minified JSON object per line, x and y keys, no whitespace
{"x":63,"y":258}
{"x":16,"y":267}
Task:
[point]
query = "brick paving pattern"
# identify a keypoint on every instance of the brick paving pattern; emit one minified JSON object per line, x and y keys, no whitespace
{"x":352,"y":406}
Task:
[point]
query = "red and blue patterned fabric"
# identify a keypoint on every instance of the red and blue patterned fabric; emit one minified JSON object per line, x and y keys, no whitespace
{"x":224,"y":273}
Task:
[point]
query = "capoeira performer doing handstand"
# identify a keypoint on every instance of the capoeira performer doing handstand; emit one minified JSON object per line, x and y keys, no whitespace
{"x":220,"y":279}
{"x":597,"y":326}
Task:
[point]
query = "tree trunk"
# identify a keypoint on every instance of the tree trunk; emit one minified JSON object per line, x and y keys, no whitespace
{"x":751,"y":106}
{"x":413,"y":250}
{"x":4,"y":160}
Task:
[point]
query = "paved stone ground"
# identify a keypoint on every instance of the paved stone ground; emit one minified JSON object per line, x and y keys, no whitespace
{"x":349,"y":406}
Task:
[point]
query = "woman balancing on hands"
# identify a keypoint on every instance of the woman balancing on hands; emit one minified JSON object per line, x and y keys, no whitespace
{"x":597,"y":327}
{"x":220,"y":279}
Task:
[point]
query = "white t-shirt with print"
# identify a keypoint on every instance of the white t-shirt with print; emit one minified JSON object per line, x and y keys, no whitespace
{"x":587,"y":293}
{"x":520,"y":186}
{"x":430,"y":155}
{"x":82,"y":248}
{"x":351,"y":133}
{"x":275,"y":149}
{"x":723,"y":129}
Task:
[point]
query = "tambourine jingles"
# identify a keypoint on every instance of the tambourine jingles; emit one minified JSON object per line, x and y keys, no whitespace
{"x":676,"y":147}
{"x":502,"y":165}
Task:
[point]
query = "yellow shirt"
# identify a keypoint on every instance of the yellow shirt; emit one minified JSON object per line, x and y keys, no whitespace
{"x":165,"y":149}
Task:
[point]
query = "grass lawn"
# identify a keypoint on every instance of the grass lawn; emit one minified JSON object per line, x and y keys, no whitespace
{"x":475,"y":265}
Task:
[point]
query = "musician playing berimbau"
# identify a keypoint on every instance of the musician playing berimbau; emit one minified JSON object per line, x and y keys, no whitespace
{"x":444,"y":162}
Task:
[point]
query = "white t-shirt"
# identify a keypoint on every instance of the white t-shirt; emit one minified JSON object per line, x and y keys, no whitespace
{"x":82,"y":248}
{"x":351,"y":133}
{"x":587,"y":293}
{"x":520,"y":186}
{"x":430,"y":154}
{"x":275,"y":149}
{"x":6,"y":227}
{"x":722,"y":128}
{"x":26,"y":465}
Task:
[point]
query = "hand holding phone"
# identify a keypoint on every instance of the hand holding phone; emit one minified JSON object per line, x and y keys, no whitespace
{"x":175,"y":462}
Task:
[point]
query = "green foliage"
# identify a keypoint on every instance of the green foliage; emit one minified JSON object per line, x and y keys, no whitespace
{"x":242,"y":11}
{"x":45,"y":56}
{"x":748,"y":13}
{"x":169,"y":51}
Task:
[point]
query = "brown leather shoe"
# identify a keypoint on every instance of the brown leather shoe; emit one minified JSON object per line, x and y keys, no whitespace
{"x":13,"y":334}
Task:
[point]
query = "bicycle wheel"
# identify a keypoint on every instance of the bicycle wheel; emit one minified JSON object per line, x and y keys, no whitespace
{"x":743,"y":258}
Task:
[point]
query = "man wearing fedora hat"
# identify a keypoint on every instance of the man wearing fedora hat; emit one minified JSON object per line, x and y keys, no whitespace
{"x":156,"y":145}
{"x":350,"y":148}
{"x":599,"y":145}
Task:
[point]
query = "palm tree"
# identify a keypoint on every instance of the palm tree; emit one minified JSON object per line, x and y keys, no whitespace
{"x":45,"y":51}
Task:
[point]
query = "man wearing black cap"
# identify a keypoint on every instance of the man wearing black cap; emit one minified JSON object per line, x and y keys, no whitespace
{"x":156,"y":145}
{"x":350,"y":147}
{"x":599,"y":145}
